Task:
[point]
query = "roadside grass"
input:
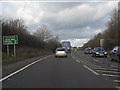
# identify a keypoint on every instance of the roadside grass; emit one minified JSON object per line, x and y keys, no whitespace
{"x":22,"y":54}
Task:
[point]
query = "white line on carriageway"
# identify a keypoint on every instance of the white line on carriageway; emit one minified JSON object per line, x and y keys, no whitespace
{"x":110,"y":75}
{"x":10,"y":75}
{"x":98,"y":68}
{"x":108,"y":71}
{"x":117,"y":81}
{"x":91,"y":70}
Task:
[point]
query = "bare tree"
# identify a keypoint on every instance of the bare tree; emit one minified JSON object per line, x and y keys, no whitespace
{"x":42,"y":33}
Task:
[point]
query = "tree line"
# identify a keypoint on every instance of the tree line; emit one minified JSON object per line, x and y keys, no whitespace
{"x":41,"y":39}
{"x":110,"y":36}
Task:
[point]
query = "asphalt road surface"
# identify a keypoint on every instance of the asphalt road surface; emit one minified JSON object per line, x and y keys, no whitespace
{"x":78,"y":70}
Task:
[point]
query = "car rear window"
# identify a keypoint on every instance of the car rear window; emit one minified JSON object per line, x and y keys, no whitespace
{"x":60,"y":49}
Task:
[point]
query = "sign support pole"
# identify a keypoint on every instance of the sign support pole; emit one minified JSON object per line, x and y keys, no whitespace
{"x":14,"y":51}
{"x":8,"y":50}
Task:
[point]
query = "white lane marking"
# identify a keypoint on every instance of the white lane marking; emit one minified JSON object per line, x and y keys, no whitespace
{"x":107,"y":71}
{"x":110,"y":75}
{"x":95,"y":60}
{"x":91,"y":70}
{"x":114,"y":66}
{"x":77,"y":61}
{"x":8,"y":76}
{"x":117,"y":81}
{"x":72,"y":56}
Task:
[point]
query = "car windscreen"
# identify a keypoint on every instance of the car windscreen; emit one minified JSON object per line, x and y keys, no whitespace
{"x":99,"y":49}
{"x":60,"y":49}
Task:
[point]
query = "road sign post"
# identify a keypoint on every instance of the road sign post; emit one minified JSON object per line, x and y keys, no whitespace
{"x":14,"y":51}
{"x":10,"y":40}
{"x":8,"y":50}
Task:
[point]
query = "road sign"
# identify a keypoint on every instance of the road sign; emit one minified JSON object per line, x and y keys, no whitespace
{"x":10,"y":40}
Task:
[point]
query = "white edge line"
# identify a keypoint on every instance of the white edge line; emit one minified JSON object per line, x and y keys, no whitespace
{"x":91,"y":70}
{"x":4,"y":78}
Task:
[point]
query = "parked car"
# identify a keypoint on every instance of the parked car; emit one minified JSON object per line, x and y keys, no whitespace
{"x":88,"y":51}
{"x":115,"y":54}
{"x":60,"y":52}
{"x":99,"y":52}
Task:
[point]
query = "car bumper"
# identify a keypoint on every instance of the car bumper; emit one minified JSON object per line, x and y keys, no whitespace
{"x":61,"y":55}
{"x":101,"y":55}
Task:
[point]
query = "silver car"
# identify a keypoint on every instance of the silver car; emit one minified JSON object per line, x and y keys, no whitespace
{"x":60,"y":52}
{"x":115,"y":54}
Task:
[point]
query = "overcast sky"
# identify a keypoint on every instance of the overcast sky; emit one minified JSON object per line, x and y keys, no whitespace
{"x":74,"y":21}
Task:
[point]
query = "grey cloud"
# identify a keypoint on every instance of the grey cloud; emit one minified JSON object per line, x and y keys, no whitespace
{"x":68,"y":20}
{"x":75,"y":19}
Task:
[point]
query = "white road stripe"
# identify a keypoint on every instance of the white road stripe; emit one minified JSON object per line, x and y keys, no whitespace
{"x":117,"y":81}
{"x":107,"y":71}
{"x":114,"y":66}
{"x":8,"y":76}
{"x":72,"y":56}
{"x":97,"y":60}
{"x":77,"y":61}
{"x":110,"y":75}
{"x":91,"y":70}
